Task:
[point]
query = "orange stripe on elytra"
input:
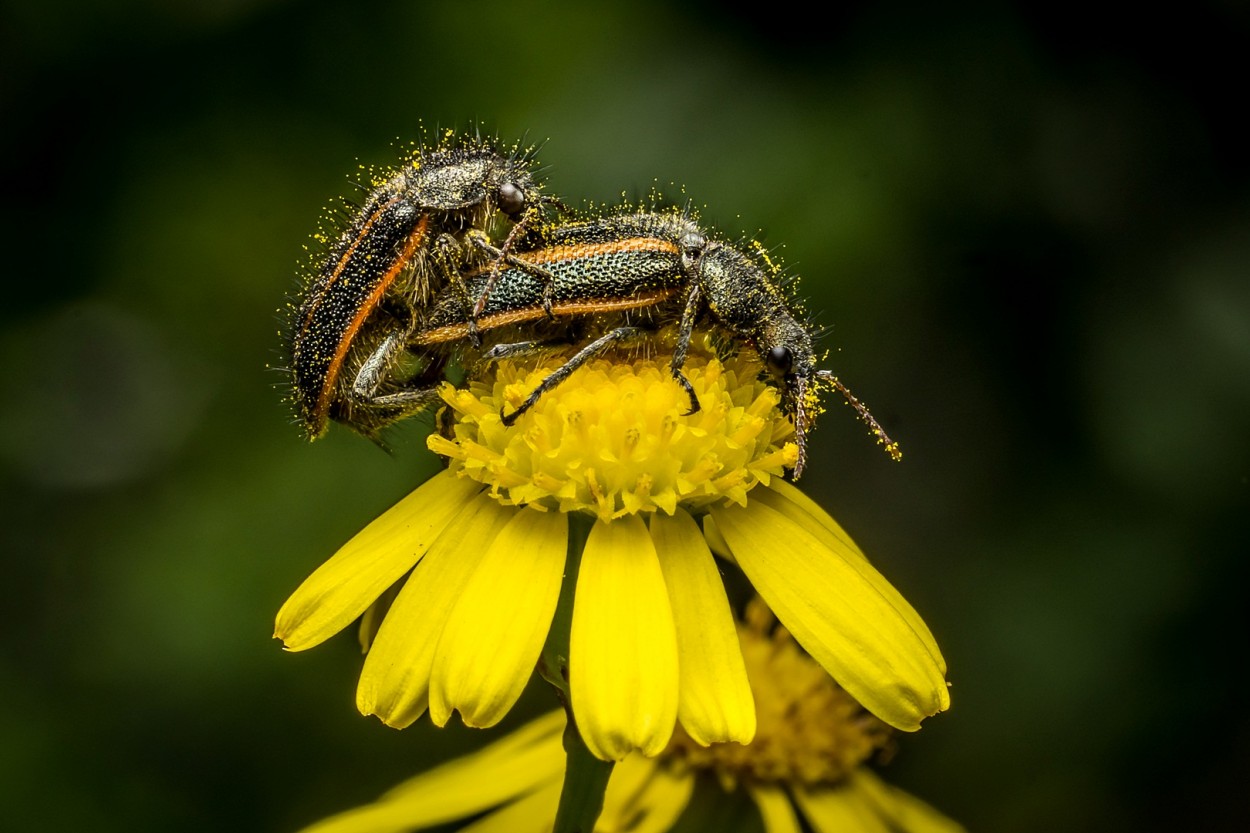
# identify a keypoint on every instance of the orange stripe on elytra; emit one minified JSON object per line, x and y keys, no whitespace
{"x":342,"y":264}
{"x":362,"y":312}
{"x":585,"y":250}
{"x":453,"y":332}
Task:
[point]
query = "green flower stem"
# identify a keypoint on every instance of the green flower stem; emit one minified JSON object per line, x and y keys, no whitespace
{"x":585,"y":776}
{"x":585,"y":783}
{"x":553,"y":663}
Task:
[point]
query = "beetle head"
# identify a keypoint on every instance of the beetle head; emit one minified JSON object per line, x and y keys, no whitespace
{"x":785,"y":347}
{"x":513,"y":188}
{"x":747,"y":300}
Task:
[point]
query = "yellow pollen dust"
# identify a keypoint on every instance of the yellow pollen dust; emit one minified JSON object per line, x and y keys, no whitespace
{"x":809,"y":731}
{"x":614,"y":439}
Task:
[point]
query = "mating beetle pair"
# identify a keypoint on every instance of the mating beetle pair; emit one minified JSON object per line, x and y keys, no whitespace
{"x":590,"y":284}
{"x":613,"y":279}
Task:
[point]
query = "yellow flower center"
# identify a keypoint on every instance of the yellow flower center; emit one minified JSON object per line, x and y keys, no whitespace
{"x":809,"y":731}
{"x":614,"y":438}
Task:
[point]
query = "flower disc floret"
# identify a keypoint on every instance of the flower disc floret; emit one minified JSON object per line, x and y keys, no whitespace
{"x":615,"y":439}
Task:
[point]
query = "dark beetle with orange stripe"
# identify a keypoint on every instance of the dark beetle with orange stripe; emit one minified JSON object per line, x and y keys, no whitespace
{"x":598,"y":283}
{"x":417,"y":229}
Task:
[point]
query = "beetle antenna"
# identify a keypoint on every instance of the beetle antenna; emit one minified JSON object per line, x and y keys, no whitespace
{"x":883,"y":438}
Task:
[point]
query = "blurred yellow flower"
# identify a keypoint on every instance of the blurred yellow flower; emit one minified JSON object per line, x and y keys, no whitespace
{"x":478,"y":554}
{"x":806,"y":761}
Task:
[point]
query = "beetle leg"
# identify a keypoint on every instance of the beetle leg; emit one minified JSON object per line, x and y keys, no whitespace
{"x":417,"y":399}
{"x":369,"y":376}
{"x":373,"y":371}
{"x":502,"y":256}
{"x":684,"y":334}
{"x":565,"y":370}
{"x":518,"y":348}
{"x":448,"y":255}
{"x":574,"y":333}
{"x":400,"y":310}
{"x":551,"y":199}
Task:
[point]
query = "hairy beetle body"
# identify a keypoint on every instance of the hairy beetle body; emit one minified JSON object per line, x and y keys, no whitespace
{"x":612,"y":265}
{"x":406,"y":244}
{"x":618,"y":277}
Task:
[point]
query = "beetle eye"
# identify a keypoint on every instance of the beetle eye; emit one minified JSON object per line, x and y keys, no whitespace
{"x":511,"y":199}
{"x":779,"y":359}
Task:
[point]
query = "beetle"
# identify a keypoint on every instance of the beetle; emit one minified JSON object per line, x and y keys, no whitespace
{"x":616,"y":277}
{"x":386,"y":260}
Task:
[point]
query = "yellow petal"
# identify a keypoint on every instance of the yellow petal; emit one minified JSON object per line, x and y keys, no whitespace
{"x":775,"y":809}
{"x":798,"y":507}
{"x":839,"y":609}
{"x":662,"y":801}
{"x":629,"y":778}
{"x":623,"y":648}
{"x":394,"y":682}
{"x":527,"y":759}
{"x":905,"y":812}
{"x":715,"y":703}
{"x":531,"y":814}
{"x":837,"y":809}
{"x":716,"y":541}
{"x":340,"y":589}
{"x":372,"y":618}
{"x":492,"y":638}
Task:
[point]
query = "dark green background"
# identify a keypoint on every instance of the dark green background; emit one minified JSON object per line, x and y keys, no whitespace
{"x":1026,"y":228}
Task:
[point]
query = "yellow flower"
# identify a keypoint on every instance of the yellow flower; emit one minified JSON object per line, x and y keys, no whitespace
{"x":478,"y":554}
{"x":807,"y":760}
